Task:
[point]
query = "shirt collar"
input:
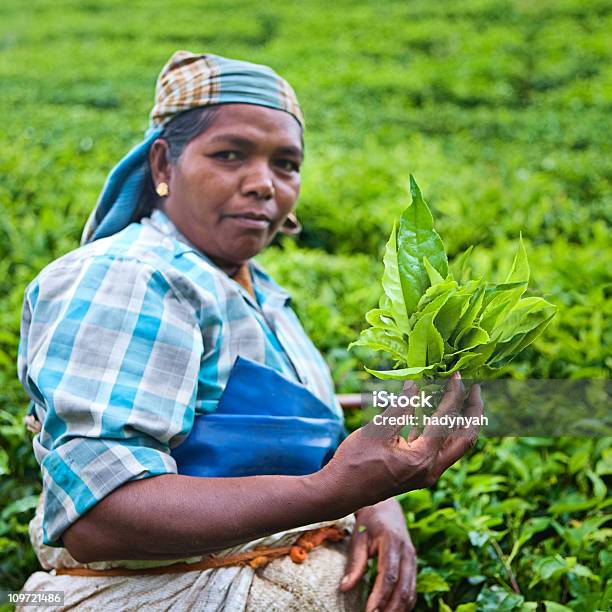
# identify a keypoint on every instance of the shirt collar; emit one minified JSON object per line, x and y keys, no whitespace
{"x":160,"y":221}
{"x":267,"y":290}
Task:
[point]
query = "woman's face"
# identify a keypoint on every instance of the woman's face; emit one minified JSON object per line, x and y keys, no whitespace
{"x":234,"y":185}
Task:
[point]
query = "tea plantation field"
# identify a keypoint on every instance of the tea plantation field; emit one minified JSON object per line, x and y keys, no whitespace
{"x":501,"y":110}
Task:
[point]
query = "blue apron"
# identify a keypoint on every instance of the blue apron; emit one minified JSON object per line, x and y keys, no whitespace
{"x":264,"y":424}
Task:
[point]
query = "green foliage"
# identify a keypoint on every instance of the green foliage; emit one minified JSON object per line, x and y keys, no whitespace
{"x":501,"y":528}
{"x":430,"y":324}
{"x":502,"y":106}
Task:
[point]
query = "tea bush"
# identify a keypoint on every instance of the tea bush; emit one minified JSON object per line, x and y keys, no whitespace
{"x":501,"y":110}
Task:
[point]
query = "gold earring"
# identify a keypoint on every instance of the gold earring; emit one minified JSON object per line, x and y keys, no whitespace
{"x":162,"y":190}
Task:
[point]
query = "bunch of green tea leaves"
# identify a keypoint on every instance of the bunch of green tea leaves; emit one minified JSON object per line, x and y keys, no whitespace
{"x":432,"y":322}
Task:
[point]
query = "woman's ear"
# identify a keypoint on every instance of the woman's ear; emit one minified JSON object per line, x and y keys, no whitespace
{"x":161,"y":168}
{"x":291,"y":226}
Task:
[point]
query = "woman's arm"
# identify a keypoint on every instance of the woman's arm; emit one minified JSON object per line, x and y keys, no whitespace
{"x":173,"y":516}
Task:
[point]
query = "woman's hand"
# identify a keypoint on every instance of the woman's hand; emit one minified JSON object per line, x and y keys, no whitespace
{"x":375,"y":462}
{"x":380,"y":530}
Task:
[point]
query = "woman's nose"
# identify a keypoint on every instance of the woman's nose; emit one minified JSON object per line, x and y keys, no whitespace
{"x":258,"y":182}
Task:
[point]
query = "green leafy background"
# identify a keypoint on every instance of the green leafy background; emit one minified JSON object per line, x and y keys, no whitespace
{"x":500,"y":109}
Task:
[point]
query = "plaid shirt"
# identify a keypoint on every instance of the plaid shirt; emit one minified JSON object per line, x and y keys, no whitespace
{"x":124,"y":341}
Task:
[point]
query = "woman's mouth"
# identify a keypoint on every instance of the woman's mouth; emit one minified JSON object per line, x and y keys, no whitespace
{"x":252,"y":220}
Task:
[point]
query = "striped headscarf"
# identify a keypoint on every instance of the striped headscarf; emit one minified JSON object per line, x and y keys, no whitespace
{"x":187,"y":81}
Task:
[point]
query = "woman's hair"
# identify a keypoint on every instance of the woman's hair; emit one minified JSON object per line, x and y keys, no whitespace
{"x":179,"y":132}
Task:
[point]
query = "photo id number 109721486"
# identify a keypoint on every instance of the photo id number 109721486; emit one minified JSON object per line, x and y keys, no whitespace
{"x":32,"y":598}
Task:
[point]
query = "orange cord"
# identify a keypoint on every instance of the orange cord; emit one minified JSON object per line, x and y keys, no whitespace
{"x":254,"y":558}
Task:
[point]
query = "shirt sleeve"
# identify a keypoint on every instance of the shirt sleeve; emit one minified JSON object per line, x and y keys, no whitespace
{"x":113,"y":354}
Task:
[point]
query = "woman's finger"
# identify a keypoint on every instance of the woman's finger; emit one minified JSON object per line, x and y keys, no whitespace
{"x":409,"y":389}
{"x":386,"y":424}
{"x":475,"y":399}
{"x":404,"y":596}
{"x":435,"y":435}
{"x":357,"y":559}
{"x":463,"y":439}
{"x":389,"y":559}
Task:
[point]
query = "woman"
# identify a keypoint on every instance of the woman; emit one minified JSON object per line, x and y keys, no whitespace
{"x":184,"y":411}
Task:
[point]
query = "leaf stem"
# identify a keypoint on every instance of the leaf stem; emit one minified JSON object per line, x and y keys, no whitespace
{"x":500,"y":555}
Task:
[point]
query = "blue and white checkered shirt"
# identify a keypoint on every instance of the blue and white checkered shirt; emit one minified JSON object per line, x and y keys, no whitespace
{"x":124,"y":341}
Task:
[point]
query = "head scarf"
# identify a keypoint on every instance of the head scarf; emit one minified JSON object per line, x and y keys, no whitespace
{"x":187,"y":81}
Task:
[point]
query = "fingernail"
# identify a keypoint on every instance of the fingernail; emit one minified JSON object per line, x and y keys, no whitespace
{"x":457,"y":375}
{"x":344,"y":581}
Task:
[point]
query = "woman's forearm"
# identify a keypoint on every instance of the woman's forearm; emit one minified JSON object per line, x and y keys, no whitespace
{"x":173,"y":516}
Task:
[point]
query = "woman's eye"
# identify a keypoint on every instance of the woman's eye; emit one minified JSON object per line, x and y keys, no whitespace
{"x":227,"y":155}
{"x":290,"y":166}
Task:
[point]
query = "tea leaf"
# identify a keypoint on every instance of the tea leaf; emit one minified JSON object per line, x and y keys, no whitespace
{"x":426,"y":346}
{"x":434,"y":276}
{"x":459,"y":265}
{"x":519,"y":272}
{"x":416,"y":239}
{"x":401,"y":374}
{"x":392,"y":285}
